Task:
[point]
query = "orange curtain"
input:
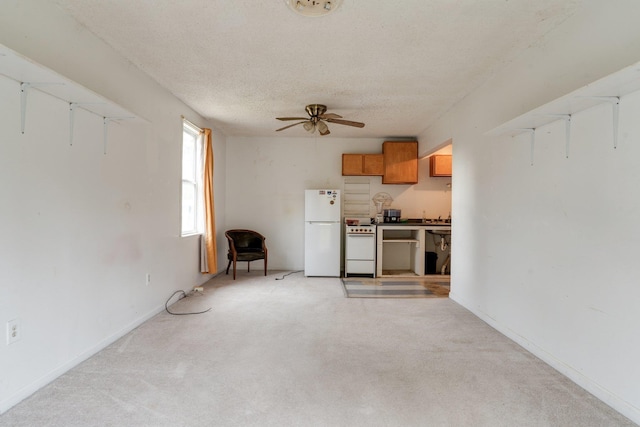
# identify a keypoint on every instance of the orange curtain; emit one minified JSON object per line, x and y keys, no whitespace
{"x":210,"y":253}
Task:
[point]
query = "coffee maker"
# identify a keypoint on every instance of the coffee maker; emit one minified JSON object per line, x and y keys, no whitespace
{"x":391,"y":215}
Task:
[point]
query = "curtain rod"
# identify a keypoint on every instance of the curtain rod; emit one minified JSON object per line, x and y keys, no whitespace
{"x":190,"y":123}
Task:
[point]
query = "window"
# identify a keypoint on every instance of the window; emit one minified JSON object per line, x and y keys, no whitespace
{"x":192,"y":194}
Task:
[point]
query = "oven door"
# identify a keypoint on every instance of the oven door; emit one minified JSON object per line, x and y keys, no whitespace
{"x":361,"y":247}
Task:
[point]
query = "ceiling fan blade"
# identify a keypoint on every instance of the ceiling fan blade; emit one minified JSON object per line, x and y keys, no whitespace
{"x":346,"y":122}
{"x":292,"y":118}
{"x":330,"y":116}
{"x":295,"y":124}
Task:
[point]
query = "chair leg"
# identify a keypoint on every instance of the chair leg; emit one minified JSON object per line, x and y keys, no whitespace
{"x":234,"y":269}
{"x":265,"y":266}
{"x":248,"y":266}
{"x":228,"y":265}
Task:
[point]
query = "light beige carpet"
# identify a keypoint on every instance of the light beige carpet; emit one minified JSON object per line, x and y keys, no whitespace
{"x":296,"y":352}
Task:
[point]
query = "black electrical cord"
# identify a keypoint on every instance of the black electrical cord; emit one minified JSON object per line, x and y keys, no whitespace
{"x":282,"y":278}
{"x":184,"y":295}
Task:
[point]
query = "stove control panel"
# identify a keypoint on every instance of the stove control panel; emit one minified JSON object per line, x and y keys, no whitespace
{"x":359,"y":229}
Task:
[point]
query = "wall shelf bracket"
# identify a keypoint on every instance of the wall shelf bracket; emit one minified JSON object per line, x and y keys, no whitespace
{"x":24,"y":89}
{"x":615,"y":104}
{"x":609,"y":89}
{"x":532,"y":141}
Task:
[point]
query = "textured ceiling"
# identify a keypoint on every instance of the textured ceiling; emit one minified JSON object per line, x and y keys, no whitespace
{"x":394,"y":65}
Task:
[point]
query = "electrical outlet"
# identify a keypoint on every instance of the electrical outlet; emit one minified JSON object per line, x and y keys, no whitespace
{"x":148,"y":279}
{"x":14,"y":331}
{"x":198,"y":289}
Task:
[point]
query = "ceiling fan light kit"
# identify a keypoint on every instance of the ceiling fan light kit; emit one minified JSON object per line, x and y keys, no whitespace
{"x":322,"y":128}
{"x":313,"y":8}
{"x":317,"y":118}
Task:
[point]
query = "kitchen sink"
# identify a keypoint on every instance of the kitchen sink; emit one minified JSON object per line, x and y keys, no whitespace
{"x":427,"y":221}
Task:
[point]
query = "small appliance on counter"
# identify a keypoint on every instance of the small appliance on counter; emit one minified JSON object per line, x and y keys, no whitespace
{"x":392,"y":215}
{"x":381,"y":200}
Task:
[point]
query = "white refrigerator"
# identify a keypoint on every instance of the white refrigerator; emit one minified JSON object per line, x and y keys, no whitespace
{"x":322,"y":233}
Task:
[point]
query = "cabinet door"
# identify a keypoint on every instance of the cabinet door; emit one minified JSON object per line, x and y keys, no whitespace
{"x":362,"y":164}
{"x":373,"y":164}
{"x":351,"y":164}
{"x":400,"y":162}
{"x":440,"y":165}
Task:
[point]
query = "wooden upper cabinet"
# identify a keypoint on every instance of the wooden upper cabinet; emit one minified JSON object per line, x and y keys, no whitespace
{"x":352,"y":164}
{"x":400,"y":162}
{"x":440,"y":165}
{"x":373,"y":164}
{"x":362,"y":164}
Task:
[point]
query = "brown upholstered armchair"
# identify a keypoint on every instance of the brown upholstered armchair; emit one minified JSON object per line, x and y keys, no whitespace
{"x":245,"y":245}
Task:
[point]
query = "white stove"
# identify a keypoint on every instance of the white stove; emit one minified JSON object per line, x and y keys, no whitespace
{"x":360,"y":250}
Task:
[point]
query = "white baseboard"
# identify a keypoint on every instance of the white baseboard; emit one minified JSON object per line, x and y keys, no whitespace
{"x":614,"y":401}
{"x":28,"y":390}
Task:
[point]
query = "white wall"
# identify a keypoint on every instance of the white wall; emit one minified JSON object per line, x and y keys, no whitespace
{"x":80,"y":229}
{"x":266,"y":183}
{"x":546,"y":253}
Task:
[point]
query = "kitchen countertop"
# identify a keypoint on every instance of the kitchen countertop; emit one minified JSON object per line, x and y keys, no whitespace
{"x":414,"y":224}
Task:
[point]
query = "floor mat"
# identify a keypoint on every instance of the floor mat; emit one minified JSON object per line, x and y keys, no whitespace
{"x":394,"y":288}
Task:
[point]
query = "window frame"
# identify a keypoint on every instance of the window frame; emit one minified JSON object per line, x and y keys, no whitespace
{"x":197,"y":135}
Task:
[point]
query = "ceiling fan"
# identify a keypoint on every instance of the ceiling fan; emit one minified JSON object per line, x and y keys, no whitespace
{"x":317,"y":118}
